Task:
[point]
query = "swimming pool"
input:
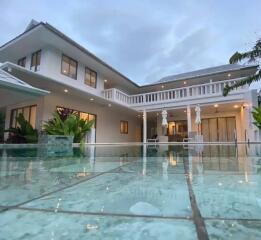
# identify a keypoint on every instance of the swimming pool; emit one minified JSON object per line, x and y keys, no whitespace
{"x":131,"y":192}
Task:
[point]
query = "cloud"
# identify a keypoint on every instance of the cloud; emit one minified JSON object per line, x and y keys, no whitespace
{"x":145,"y":40}
{"x":125,"y":39}
{"x":190,"y":53}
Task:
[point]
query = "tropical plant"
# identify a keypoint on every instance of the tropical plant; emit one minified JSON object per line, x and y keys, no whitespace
{"x":23,"y":133}
{"x":73,"y":125}
{"x":65,"y":112}
{"x":250,"y":56}
{"x":257,"y":116}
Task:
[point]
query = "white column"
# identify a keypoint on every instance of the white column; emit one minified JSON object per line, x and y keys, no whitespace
{"x":144,"y":160}
{"x":144,"y":126}
{"x":159,"y":126}
{"x":189,"y":118}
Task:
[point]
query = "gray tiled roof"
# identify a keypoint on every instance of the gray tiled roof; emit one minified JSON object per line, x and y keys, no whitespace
{"x":203,"y":72}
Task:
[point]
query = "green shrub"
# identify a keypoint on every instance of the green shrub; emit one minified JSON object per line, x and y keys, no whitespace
{"x":73,"y":125}
{"x":23,"y":133}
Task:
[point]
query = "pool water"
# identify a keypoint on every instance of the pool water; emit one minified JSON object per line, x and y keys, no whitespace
{"x":131,"y":192}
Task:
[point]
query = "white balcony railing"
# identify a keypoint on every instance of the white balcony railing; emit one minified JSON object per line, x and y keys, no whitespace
{"x":191,"y":92}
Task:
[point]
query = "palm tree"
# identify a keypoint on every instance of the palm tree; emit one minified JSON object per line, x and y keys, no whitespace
{"x":257,"y":116}
{"x":251,"y":56}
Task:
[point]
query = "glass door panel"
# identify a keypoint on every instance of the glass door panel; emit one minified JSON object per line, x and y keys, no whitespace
{"x":205,"y":130}
{"x":231,"y":129}
{"x":213,"y":131}
{"x":222,"y":129}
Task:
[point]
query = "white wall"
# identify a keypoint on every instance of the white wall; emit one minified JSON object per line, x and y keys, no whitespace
{"x":248,"y":128}
{"x":50,"y":66}
{"x":108,"y":119}
{"x":51,"y":62}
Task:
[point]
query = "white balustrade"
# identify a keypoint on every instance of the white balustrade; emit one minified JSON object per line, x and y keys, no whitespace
{"x":190,"y":92}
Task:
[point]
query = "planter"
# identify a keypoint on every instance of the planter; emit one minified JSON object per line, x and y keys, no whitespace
{"x":56,"y":140}
{"x":56,"y":145}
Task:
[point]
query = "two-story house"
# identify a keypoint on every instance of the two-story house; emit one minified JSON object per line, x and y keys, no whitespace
{"x":44,"y":71}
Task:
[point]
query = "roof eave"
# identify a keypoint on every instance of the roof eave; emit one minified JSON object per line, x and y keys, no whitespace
{"x":203,"y":75}
{"x":34,"y":91}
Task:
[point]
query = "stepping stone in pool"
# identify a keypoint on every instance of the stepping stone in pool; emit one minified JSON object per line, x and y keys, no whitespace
{"x":143,"y":208}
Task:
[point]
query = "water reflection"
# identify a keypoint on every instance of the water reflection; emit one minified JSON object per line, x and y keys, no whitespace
{"x":202,"y":159}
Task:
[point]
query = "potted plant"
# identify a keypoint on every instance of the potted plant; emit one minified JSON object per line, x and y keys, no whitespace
{"x":65,"y":131}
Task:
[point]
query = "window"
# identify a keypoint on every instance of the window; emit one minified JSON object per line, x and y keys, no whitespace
{"x":29,"y":113}
{"x":124,"y":127}
{"x":21,"y":62}
{"x":90,"y":77}
{"x":35,"y":61}
{"x":69,"y":67}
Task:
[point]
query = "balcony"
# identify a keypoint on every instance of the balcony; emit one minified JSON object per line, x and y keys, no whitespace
{"x":209,"y":92}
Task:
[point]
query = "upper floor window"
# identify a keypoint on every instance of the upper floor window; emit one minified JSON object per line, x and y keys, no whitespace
{"x":90,"y":77}
{"x":21,"y":62}
{"x":124,"y":127}
{"x":35,"y":61}
{"x":69,"y":67}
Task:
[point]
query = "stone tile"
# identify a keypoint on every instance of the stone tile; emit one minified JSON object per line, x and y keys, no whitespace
{"x":233,"y":230}
{"x":30,"y":225}
{"x":15,"y":189}
{"x":228,"y":196}
{"x":124,"y":193}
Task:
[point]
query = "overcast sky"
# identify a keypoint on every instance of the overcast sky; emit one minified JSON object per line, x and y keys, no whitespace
{"x":145,"y":40}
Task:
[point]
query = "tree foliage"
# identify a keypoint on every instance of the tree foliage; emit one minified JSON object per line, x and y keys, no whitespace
{"x":257,"y":116}
{"x":251,"y":56}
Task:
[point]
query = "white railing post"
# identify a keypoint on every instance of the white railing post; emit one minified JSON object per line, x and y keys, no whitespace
{"x":113,"y":94}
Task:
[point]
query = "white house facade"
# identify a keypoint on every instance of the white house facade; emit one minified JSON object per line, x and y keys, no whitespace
{"x":44,"y":71}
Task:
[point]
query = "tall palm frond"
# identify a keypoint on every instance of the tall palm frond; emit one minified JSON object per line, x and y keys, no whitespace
{"x":251,"y":56}
{"x":254,"y":78}
{"x":257,"y":116}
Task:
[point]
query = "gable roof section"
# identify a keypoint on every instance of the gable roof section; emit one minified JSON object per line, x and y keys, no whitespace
{"x":34,"y":24}
{"x":205,"y":72}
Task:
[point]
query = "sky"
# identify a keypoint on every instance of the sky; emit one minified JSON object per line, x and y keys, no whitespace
{"x":145,"y":39}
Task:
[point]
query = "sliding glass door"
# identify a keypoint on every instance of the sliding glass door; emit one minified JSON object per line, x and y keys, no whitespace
{"x":220,"y":129}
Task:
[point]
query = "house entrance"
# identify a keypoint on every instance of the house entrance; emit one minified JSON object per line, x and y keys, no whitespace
{"x":177,"y":130}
